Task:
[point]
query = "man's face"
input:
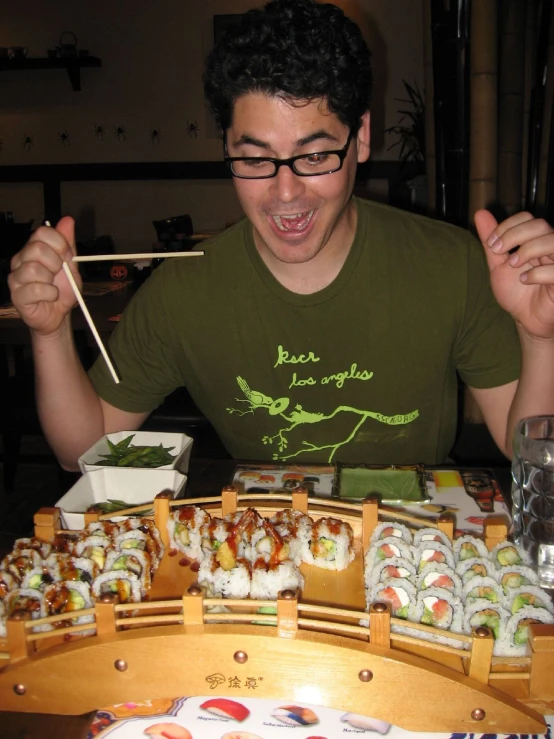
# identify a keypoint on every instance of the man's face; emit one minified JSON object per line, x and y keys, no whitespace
{"x":295,"y":218}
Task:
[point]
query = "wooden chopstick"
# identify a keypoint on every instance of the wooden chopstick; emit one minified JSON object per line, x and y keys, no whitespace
{"x":127,"y":257}
{"x":90,"y":322}
{"x":88,"y":317}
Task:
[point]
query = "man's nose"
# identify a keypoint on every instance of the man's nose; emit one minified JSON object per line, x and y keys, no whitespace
{"x":286,"y":185}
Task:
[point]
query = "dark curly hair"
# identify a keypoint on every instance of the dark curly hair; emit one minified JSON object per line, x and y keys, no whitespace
{"x":299,"y":50}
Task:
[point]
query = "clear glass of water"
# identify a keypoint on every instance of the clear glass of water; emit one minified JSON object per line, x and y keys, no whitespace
{"x":533,"y":493}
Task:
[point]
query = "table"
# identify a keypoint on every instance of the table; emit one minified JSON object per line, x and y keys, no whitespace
{"x":206,"y":478}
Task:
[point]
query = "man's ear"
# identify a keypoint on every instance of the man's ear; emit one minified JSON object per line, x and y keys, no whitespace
{"x":364,"y":138}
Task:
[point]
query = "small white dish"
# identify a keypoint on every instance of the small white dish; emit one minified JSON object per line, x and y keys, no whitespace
{"x":181,"y":442}
{"x":135,"y":486}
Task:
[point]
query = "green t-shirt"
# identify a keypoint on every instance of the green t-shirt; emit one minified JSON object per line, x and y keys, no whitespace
{"x":361,"y":371}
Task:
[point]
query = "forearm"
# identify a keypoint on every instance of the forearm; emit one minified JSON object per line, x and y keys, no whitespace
{"x":535,"y":390}
{"x":68,"y":406}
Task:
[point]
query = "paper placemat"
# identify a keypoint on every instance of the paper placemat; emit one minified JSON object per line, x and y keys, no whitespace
{"x":250,"y":718}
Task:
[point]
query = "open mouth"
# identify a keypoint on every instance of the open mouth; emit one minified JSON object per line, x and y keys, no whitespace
{"x":294,"y":223}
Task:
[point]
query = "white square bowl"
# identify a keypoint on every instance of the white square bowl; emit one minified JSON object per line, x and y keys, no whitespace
{"x":135,"y":486}
{"x":181,"y":442}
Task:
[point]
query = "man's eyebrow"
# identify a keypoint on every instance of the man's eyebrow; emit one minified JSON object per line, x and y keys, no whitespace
{"x":316,"y":136}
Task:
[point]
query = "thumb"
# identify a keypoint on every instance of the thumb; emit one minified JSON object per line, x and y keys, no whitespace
{"x":66,"y":227}
{"x":485,"y":223}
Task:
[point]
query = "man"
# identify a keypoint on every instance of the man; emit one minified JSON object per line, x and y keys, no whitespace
{"x":322,"y":327}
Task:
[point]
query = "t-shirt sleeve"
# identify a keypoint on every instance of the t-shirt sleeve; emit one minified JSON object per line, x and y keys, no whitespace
{"x":143,"y":349}
{"x":488,"y":352}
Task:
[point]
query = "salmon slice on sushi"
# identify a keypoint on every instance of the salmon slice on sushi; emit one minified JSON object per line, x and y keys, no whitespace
{"x":167,"y":731}
{"x":226,"y":708}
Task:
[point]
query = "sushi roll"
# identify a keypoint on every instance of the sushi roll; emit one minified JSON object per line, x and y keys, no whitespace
{"x":65,"y":567}
{"x":94,"y":547}
{"x":431,"y":534}
{"x":268,"y":545}
{"x":515,"y":576}
{"x":437,"y":575}
{"x":389,"y":568}
{"x":213,"y":533}
{"x":148,"y":527}
{"x":433,"y":551}
{"x":516,"y":634}
{"x":19,"y":563}
{"x":136,"y":561}
{"x":483,"y":588}
{"x":7,"y":584}
{"x":136,"y":539}
{"x":331,"y":545}
{"x":38,"y":578}
{"x":482,"y":612}
{"x":69,"y":598}
{"x":124,"y":584}
{"x":296,"y":529}
{"x":400,"y":595}
{"x":226,"y":708}
{"x":439,"y":607}
{"x":295,"y":715}
{"x":221,"y":582}
{"x":42,"y":547}
{"x":385,"y":529}
{"x":528,"y":596}
{"x":27,"y":600}
{"x":467,"y":547}
{"x":506,"y":553}
{"x":474,"y":567}
{"x":389,"y":547}
{"x":183,"y":528}
{"x":268,"y":580}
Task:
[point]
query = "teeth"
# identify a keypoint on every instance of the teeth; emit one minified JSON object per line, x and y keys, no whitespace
{"x":307,"y":217}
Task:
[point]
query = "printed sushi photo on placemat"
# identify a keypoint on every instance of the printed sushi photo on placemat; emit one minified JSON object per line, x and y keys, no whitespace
{"x":268,"y":478}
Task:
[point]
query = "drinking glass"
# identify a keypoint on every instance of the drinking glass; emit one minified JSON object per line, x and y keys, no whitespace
{"x":533,"y":493}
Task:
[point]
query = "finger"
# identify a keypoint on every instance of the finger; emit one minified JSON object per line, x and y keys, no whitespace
{"x":24,"y":296}
{"x":486,"y":223}
{"x":41,"y":253}
{"x":66,"y":227}
{"x":539,"y":248}
{"x":540,"y":275}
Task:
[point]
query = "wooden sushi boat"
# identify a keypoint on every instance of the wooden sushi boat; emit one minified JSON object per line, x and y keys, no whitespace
{"x":310,"y":649}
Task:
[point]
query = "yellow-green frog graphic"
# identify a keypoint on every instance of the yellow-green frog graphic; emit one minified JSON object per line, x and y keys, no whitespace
{"x":297,"y":416}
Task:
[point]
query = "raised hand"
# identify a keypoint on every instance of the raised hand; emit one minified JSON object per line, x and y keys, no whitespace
{"x":39,"y":288}
{"x":523,"y":281}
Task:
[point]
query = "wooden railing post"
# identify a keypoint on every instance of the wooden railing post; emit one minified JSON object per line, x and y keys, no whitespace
{"x":161,"y":515}
{"x":16,"y":631}
{"x":300,"y":499}
{"x":229,"y":500}
{"x":370,"y":519}
{"x":47,"y":522}
{"x":495,"y":530}
{"x":287,"y":613}
{"x":541,"y":641}
{"x":379,"y":624}
{"x":105,"y":615}
{"x":481,"y":654}
{"x":193,"y":608}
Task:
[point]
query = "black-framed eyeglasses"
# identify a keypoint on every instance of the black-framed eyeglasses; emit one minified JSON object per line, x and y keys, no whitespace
{"x":303,"y":165}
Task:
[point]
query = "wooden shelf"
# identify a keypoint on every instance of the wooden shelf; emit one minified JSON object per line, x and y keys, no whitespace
{"x":73,"y":65}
